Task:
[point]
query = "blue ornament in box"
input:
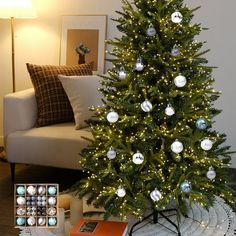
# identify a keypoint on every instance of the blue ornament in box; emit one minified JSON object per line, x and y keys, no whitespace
{"x":52,"y":221}
{"x":52,"y":190}
{"x":186,"y":187}
{"x":20,"y":190}
{"x":20,"y":221}
{"x":201,"y":123}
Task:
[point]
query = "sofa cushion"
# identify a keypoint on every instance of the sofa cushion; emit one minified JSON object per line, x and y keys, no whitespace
{"x":83,"y":93}
{"x":52,"y":102}
{"x":57,"y":145}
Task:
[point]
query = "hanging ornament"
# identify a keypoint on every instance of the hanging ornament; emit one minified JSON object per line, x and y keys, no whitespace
{"x":151,"y":31}
{"x":122,"y":73}
{"x":211,"y":174}
{"x":139,"y":66}
{"x":180,"y":81}
{"x":206,"y":144}
{"x":176,"y":17}
{"x":169,"y":111}
{"x":112,"y":117}
{"x":138,"y":158}
{"x":111,"y":154}
{"x":201,"y":123}
{"x":146,"y":106}
{"x":175,"y":51}
{"x":120,"y":192}
{"x":177,"y":147}
{"x":186,"y":187}
{"x":156,"y":195}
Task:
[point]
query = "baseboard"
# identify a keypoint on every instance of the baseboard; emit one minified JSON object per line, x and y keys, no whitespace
{"x":1,"y":141}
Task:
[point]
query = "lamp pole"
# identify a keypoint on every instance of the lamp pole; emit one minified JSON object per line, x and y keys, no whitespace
{"x":13,"y":54}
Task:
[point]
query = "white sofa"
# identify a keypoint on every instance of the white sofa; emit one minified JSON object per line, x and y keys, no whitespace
{"x":56,"y":145}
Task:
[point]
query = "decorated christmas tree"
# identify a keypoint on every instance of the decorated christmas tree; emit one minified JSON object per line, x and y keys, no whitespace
{"x":153,"y":138}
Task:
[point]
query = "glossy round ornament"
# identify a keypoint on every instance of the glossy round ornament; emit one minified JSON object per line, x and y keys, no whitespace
{"x":138,"y":158}
{"x":52,"y":221}
{"x":112,"y":117}
{"x":20,"y":190}
{"x":176,"y":17}
{"x":122,"y":73}
{"x":52,"y":200}
{"x":120,"y":192}
{"x":186,"y":187}
{"x":41,"y":221}
{"x":52,"y":190}
{"x":20,"y":211}
{"x":206,"y":144}
{"x":177,"y":147}
{"x":139,"y":66}
{"x":201,"y":123}
{"x":20,"y":221}
{"x":169,"y":111}
{"x":51,"y":211}
{"x":146,"y":106}
{"x":41,"y":190}
{"x":151,"y":31}
{"x":31,"y":190}
{"x":111,"y":154}
{"x":175,"y":52}
{"x":180,"y":81}
{"x":211,"y":174}
{"x":20,"y":200}
{"x":156,"y":195}
{"x":31,"y":221}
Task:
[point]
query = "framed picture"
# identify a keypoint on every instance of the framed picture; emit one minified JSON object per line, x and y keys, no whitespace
{"x":83,"y":40}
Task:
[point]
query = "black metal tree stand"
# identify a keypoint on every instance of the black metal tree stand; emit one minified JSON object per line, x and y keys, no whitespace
{"x":156,"y":215}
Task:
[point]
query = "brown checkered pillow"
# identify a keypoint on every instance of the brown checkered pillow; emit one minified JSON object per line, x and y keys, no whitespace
{"x":52,"y":101}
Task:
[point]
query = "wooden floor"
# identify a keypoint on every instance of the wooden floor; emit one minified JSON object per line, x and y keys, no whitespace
{"x":27,"y":174}
{"x":33,"y":174}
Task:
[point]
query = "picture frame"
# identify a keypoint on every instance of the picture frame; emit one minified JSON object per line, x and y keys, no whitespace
{"x":83,"y":40}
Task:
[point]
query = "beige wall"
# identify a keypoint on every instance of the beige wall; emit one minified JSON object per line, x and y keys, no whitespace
{"x":38,"y":40}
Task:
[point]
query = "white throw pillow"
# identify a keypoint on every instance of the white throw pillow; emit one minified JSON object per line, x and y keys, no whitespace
{"x":83,"y":93}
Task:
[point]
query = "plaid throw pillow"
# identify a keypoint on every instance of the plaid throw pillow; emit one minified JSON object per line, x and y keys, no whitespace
{"x":52,"y":101}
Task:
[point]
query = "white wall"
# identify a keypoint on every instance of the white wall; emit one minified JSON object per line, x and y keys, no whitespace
{"x":38,"y":40}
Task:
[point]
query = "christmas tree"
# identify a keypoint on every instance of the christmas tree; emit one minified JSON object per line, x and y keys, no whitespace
{"x":153,"y":138}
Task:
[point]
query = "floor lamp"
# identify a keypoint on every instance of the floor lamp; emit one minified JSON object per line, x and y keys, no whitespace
{"x":14,"y":9}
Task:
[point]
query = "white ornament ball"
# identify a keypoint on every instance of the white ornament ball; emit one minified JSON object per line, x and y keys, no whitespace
{"x":206,"y":144}
{"x":41,"y":221}
{"x":112,"y":117}
{"x":20,"y":200}
{"x":120,"y":192}
{"x":41,"y":190}
{"x":169,"y":111}
{"x":31,"y":190}
{"x":138,"y":158}
{"x":111,"y":154}
{"x":151,"y":31}
{"x":122,"y":73}
{"x":31,"y":221}
{"x":156,"y":195}
{"x":176,"y":17}
{"x":211,"y":174}
{"x":177,"y":147}
{"x":146,"y":106}
{"x":139,"y":66}
{"x":52,"y":201}
{"x":180,"y":81}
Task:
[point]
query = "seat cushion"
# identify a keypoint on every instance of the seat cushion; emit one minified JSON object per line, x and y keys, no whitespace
{"x":56,"y":145}
{"x":52,"y":102}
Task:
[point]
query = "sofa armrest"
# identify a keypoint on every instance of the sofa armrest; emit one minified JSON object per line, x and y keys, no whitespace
{"x":19,"y":112}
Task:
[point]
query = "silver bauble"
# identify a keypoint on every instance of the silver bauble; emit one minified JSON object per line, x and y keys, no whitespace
{"x":156,"y":195}
{"x":176,"y":17}
{"x":186,"y":187}
{"x":146,"y":106}
{"x":112,"y":117}
{"x":138,"y":158}
{"x":111,"y":154}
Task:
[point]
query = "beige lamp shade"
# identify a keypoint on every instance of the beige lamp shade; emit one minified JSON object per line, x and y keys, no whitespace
{"x":16,"y":9}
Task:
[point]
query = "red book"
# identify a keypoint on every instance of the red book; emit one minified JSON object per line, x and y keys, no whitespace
{"x":88,"y":227}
